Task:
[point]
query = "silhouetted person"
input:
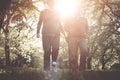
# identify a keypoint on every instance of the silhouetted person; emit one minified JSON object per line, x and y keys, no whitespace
{"x":50,"y":33}
{"x":77,"y":30}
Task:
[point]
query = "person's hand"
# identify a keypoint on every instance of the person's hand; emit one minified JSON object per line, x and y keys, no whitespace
{"x":38,"y":35}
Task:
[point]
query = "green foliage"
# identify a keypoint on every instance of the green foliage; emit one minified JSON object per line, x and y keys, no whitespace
{"x":103,"y":43}
{"x":21,"y":35}
{"x":104,"y":34}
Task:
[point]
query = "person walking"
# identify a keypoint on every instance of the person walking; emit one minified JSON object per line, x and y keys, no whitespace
{"x":50,"y":33}
{"x":77,"y":31}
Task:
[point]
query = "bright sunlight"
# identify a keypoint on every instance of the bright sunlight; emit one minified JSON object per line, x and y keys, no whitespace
{"x":66,"y":8}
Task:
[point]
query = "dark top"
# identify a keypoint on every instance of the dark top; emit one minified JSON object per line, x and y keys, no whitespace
{"x":77,"y":27}
{"x":51,"y":22}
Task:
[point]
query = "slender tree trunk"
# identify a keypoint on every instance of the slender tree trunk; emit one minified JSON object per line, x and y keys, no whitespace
{"x":7,"y":50}
{"x":103,"y":66}
{"x":4,"y":6}
{"x":89,"y":63}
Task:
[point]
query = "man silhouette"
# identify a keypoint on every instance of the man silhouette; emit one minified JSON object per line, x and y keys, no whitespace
{"x":50,"y":33}
{"x":77,"y":30}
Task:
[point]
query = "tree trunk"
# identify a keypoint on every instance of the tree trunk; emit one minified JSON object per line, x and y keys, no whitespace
{"x":103,"y":66}
{"x":7,"y":50}
{"x":89,"y":63}
{"x":4,"y":6}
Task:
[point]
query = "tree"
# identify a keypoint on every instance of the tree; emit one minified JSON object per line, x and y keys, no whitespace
{"x":12,"y":11}
{"x":18,"y":16}
{"x":104,"y":32}
{"x":5,"y":4}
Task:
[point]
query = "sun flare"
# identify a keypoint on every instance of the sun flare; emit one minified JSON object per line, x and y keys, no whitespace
{"x":66,"y":7}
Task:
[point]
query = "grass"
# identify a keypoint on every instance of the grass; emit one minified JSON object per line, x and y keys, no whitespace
{"x":38,"y":74}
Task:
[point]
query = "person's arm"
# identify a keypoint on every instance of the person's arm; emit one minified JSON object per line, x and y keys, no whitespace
{"x":86,"y":28}
{"x":67,"y":29}
{"x":66,"y":25}
{"x":39,"y":24}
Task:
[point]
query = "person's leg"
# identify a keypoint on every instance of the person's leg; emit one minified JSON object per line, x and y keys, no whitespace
{"x":73,"y":53}
{"x":47,"y":51}
{"x":55,"y":49}
{"x":83,"y":54}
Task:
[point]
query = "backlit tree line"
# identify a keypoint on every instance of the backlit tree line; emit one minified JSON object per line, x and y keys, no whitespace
{"x":18,"y":19}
